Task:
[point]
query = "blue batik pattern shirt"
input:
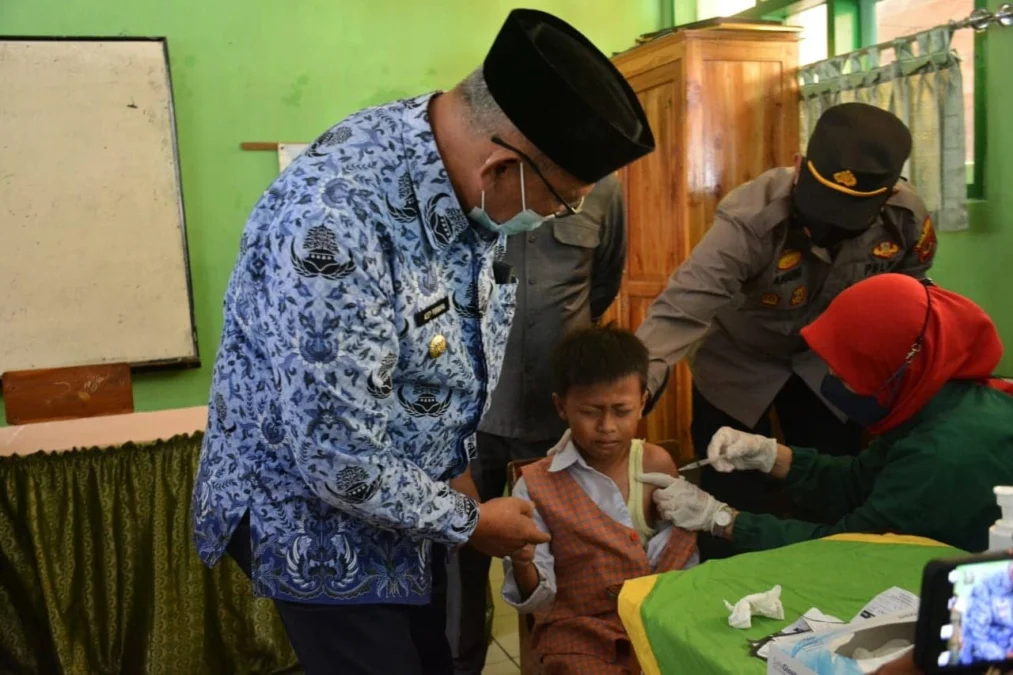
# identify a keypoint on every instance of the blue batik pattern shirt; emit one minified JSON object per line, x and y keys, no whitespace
{"x":364,"y":330}
{"x":988,"y":621}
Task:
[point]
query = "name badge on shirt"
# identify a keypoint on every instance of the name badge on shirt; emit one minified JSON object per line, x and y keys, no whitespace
{"x":437,"y":309}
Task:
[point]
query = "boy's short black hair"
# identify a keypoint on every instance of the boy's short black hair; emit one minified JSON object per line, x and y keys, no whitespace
{"x":597,"y":355}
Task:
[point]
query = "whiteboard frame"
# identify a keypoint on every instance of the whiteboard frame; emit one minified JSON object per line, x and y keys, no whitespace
{"x":183,"y":362}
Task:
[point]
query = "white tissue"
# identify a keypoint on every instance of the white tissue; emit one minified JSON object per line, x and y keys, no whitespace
{"x":759,"y":604}
{"x":870,"y":660}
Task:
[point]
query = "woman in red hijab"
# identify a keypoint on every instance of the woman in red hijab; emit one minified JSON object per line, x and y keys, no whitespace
{"x":913,"y":363}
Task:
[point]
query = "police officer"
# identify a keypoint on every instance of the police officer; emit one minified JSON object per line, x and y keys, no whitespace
{"x":780,"y":249}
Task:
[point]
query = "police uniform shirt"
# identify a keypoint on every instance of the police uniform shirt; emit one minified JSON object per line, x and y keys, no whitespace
{"x":754,"y":281}
{"x":568,"y":271}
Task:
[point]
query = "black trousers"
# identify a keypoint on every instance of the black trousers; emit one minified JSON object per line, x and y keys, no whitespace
{"x":469,"y":569}
{"x":805,"y":422}
{"x":364,"y":639}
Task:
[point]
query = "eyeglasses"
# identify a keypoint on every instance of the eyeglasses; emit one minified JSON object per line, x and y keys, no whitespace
{"x":568,"y":208}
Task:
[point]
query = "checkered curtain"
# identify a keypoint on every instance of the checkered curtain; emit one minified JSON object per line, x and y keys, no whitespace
{"x":923,"y":87}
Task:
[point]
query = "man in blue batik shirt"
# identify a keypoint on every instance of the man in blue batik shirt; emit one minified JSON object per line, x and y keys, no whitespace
{"x":365,"y":324}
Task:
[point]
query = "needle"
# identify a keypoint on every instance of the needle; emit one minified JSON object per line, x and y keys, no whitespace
{"x":695,"y":465}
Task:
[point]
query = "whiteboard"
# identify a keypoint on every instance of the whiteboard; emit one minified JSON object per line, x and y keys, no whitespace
{"x":93,"y":259}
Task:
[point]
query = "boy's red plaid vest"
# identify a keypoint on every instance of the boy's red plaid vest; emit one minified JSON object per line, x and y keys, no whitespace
{"x":594,"y":555}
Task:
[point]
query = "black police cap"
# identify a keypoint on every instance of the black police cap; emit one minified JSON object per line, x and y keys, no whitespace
{"x":854,"y":160}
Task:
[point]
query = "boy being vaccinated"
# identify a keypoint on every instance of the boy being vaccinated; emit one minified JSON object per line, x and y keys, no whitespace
{"x":602,"y":521}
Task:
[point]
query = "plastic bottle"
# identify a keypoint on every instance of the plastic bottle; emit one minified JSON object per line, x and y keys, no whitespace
{"x":1000,"y":535}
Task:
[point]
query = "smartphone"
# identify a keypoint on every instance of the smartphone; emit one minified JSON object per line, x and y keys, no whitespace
{"x":965,"y":618}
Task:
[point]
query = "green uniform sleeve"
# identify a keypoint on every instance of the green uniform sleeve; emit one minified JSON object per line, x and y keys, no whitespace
{"x":910,"y":494}
{"x":830,"y":487}
{"x":759,"y":532}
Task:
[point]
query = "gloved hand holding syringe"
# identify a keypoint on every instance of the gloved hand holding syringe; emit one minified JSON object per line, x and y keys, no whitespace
{"x":687,"y":506}
{"x":734,"y":450}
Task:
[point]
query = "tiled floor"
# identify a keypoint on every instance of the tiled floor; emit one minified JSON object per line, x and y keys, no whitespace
{"x":504,"y":652}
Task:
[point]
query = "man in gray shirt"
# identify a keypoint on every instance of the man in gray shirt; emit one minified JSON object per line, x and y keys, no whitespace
{"x":568,"y":273}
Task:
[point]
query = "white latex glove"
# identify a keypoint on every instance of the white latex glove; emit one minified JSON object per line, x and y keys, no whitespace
{"x":682,"y":503}
{"x":733,"y":450}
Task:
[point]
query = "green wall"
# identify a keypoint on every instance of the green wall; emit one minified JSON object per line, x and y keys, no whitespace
{"x":979,"y":262}
{"x":285,"y":70}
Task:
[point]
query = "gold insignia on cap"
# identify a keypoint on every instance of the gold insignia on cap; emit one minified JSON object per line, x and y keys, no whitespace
{"x":840,"y":185}
{"x":437,"y":346}
{"x":846,"y":178}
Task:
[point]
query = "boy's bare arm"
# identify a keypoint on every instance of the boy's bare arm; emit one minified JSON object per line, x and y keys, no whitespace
{"x":656,"y":460}
{"x":525,"y":572}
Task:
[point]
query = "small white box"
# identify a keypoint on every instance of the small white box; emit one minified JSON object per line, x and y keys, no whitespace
{"x":829,"y":652}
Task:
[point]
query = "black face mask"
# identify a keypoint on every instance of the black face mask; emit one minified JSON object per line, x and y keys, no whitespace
{"x":863,"y":410}
{"x":867,"y":410}
{"x":824,"y":235}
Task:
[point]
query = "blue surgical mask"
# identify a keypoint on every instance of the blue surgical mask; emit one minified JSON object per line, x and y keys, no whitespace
{"x":862,"y":410}
{"x":525,"y":221}
{"x":867,"y":410}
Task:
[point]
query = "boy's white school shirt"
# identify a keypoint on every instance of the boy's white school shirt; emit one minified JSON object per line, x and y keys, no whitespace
{"x":603,"y":491}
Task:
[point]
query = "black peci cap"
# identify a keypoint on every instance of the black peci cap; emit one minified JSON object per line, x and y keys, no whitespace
{"x":565,"y":96}
{"x":854,"y":160}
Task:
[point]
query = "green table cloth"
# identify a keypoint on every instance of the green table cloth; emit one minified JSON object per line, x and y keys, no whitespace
{"x":98,"y":573}
{"x":678,"y":622}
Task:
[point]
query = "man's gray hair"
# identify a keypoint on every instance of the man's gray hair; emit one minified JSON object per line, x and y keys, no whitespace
{"x":487,"y":118}
{"x":485,"y":115}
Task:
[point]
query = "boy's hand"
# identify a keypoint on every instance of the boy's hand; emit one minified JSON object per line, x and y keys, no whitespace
{"x":506,"y":525}
{"x":524,"y":556}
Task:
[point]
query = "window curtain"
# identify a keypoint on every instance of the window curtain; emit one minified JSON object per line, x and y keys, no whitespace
{"x":98,"y":573}
{"x":924,"y":89}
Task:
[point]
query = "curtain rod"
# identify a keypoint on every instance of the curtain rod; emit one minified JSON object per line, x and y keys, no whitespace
{"x":980,"y":19}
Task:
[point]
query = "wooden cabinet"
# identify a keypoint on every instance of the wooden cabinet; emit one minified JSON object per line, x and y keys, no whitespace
{"x":723,"y":105}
